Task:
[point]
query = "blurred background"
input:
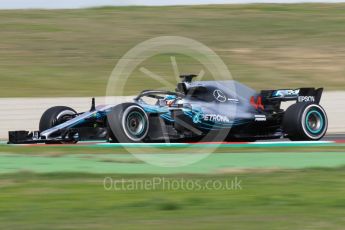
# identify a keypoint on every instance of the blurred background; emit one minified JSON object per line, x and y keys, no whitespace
{"x":63,"y":52}
{"x":71,"y":52}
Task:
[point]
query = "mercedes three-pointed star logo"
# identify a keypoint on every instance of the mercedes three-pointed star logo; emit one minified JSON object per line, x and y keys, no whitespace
{"x":219,"y":95}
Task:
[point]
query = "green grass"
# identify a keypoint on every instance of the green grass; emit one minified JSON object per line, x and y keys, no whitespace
{"x":144,"y":160}
{"x":304,"y":199}
{"x":151,"y":163}
{"x":305,"y":196}
{"x":72,"y":52}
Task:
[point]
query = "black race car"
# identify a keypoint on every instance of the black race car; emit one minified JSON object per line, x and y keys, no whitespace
{"x":200,"y":110}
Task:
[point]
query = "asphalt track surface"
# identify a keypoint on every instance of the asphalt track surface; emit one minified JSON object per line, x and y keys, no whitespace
{"x":328,"y":137}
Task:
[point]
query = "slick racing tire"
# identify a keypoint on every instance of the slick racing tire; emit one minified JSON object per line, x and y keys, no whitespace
{"x":305,"y":121}
{"x":128,"y":123}
{"x":55,"y":116}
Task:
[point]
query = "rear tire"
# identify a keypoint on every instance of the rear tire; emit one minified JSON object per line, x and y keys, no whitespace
{"x":128,"y":123}
{"x":305,"y":122}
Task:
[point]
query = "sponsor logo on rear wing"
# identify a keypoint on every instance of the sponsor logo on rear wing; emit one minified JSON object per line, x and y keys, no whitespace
{"x":311,"y":95}
{"x":285,"y":93}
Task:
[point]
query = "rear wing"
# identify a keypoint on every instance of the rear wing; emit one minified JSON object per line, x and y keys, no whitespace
{"x":310,"y":95}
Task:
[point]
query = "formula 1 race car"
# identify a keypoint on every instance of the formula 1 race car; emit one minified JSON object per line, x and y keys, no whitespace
{"x":200,"y":110}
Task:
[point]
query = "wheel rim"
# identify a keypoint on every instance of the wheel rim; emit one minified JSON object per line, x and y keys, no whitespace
{"x":314,"y":122}
{"x":136,"y":124}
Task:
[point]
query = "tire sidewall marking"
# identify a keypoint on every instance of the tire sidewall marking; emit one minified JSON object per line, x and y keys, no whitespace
{"x":65,"y":112}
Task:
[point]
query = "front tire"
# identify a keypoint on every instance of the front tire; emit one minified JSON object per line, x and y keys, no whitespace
{"x":128,"y":123}
{"x":305,"y":121}
{"x":56,"y":116}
